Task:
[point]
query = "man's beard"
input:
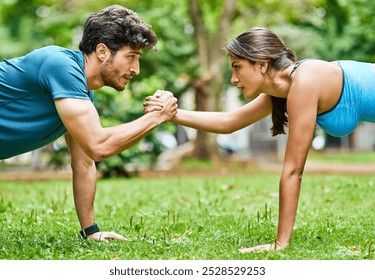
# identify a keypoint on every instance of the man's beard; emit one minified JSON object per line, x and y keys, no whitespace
{"x":109,"y":75}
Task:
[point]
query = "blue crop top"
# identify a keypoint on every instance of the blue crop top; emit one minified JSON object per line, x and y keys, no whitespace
{"x":357,"y":101}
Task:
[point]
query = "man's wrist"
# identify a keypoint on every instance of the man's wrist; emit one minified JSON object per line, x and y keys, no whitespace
{"x":90,"y":230}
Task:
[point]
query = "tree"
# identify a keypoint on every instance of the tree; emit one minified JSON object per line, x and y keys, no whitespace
{"x":210,"y":54}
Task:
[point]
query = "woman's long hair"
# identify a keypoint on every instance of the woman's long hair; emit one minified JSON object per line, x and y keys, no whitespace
{"x":262,"y":45}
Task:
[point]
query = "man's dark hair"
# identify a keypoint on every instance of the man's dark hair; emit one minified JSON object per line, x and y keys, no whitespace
{"x":116,"y":27}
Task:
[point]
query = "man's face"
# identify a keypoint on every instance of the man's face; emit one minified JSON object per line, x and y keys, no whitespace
{"x":120,"y":68}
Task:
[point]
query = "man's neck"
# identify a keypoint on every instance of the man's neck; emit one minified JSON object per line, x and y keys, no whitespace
{"x":92,"y":67}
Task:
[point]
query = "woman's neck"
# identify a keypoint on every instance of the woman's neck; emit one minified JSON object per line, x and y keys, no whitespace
{"x":278,"y":83}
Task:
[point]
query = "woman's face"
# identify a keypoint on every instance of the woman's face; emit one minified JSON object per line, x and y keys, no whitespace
{"x":246,"y":76}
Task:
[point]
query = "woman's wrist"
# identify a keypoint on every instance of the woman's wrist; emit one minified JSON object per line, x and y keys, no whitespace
{"x":280,"y":245}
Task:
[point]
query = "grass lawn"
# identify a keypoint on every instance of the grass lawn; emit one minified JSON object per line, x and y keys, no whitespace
{"x":344,"y":157}
{"x":190,"y":218}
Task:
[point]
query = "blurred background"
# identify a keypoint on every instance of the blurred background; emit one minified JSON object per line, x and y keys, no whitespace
{"x":191,"y":62}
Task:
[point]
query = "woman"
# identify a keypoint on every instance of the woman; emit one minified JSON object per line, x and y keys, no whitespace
{"x":337,"y":95}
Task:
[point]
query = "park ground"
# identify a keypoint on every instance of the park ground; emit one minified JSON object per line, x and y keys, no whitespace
{"x":220,"y":168}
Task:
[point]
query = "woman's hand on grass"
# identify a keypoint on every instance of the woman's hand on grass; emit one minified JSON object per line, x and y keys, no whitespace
{"x":262,"y":248}
{"x":104,"y":236}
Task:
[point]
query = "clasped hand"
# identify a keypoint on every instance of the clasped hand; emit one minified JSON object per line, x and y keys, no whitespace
{"x":162,"y":101}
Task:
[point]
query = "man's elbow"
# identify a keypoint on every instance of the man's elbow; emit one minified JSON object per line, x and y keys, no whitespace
{"x":99,"y":156}
{"x":98,"y":152}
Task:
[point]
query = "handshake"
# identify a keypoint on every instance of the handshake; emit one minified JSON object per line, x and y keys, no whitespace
{"x":163,"y":104}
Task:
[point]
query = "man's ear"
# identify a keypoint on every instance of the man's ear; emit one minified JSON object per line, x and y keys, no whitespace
{"x":102,"y":52}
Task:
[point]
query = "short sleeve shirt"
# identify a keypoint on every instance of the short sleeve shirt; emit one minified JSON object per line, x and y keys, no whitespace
{"x":28,"y":87}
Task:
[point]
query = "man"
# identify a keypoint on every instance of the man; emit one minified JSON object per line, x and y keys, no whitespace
{"x":49,"y":92}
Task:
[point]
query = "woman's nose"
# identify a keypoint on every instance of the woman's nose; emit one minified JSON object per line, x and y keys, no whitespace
{"x":234,"y":80}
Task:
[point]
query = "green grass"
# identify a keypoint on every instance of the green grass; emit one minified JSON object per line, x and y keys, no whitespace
{"x":344,"y":157}
{"x":189,"y":218}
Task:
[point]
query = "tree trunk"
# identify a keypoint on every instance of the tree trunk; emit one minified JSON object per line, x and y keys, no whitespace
{"x":211,"y":59}
{"x":201,"y":149}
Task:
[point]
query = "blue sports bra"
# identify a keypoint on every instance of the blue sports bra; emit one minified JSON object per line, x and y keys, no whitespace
{"x":357,"y":100}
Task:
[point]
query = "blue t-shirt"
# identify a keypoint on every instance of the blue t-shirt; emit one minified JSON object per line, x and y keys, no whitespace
{"x":28,"y":87}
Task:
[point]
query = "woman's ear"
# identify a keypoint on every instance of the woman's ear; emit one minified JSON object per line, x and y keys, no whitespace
{"x":263,"y":66}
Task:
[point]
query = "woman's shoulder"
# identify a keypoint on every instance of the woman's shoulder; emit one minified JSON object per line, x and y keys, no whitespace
{"x":309,"y":64}
{"x":314,"y":70}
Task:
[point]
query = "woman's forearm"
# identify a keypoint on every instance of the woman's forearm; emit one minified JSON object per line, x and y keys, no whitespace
{"x":226,"y":122}
{"x":288,"y":201}
{"x":215,"y":122}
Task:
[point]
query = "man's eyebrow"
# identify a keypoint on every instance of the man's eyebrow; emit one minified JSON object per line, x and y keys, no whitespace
{"x":136,"y":52}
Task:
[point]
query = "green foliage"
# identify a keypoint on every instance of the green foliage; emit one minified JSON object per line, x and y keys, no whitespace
{"x":190,"y":219}
{"x":175,"y":61}
{"x":312,"y":28}
{"x":28,"y":25}
{"x":345,"y":30}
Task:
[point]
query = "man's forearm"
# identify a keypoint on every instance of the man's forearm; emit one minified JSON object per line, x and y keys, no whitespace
{"x":84,"y":188}
{"x":83,"y":123}
{"x":123,"y":136}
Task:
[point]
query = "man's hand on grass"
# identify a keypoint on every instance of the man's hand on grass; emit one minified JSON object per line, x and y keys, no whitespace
{"x":105,"y":236}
